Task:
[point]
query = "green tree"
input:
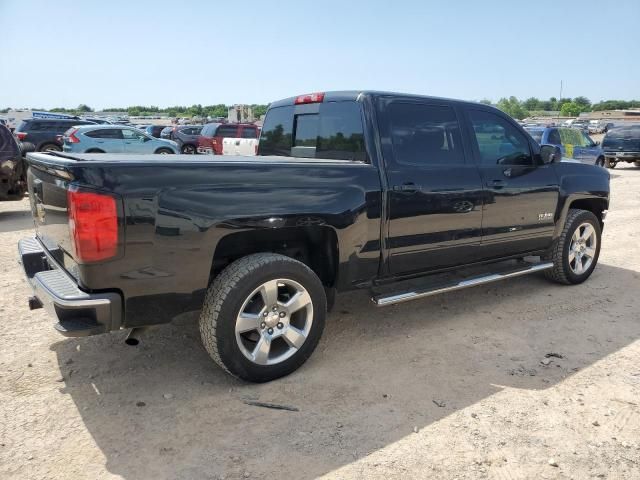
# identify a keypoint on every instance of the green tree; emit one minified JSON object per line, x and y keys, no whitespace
{"x":571,"y":109}
{"x":84,"y":108}
{"x":583,"y":102}
{"x":5,"y":110}
{"x":532,"y":103}
{"x":486,"y":101}
{"x":511,"y":106}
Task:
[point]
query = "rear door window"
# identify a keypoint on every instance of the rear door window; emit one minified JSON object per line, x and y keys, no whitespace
{"x":111,"y":133}
{"x":227,"y":131}
{"x":335,"y":132}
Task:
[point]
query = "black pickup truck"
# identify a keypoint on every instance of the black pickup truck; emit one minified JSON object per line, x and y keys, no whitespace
{"x":404,"y":195}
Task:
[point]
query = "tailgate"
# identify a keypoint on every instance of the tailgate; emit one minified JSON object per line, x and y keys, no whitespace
{"x":48,"y":197}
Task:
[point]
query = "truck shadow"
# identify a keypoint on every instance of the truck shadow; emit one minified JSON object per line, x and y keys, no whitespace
{"x":12,"y":221}
{"x":164,"y":410}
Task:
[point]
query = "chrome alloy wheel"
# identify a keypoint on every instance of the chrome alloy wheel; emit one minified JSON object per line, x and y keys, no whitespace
{"x":582,"y":249}
{"x":274,"y":321}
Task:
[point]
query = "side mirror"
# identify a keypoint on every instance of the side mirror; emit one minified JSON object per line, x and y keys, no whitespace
{"x":550,"y":154}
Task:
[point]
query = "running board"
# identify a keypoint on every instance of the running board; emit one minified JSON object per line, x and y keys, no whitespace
{"x":384,"y":300}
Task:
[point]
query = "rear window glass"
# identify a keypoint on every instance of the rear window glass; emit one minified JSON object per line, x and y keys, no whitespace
{"x":624,"y":132}
{"x":334,"y":133}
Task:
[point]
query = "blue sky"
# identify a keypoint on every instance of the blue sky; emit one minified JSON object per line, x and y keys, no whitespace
{"x":120,"y":53}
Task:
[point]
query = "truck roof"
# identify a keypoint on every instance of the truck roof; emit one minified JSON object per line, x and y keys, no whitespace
{"x":354,"y":95}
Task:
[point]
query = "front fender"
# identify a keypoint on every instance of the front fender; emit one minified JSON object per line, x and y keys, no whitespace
{"x":584,"y":185}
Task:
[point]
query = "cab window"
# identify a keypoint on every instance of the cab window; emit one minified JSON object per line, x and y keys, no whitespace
{"x":498,"y":141}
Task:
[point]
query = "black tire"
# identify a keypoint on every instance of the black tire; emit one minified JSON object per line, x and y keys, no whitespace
{"x":600,"y":161}
{"x":637,"y":163}
{"x":225,"y":298}
{"x":608,"y":163}
{"x":188,"y":149}
{"x":559,"y":251}
{"x":164,"y":151}
{"x":50,"y":147}
{"x":94,"y":150}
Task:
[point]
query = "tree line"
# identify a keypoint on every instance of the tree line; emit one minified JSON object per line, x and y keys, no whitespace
{"x":219,"y":110}
{"x":568,"y":107}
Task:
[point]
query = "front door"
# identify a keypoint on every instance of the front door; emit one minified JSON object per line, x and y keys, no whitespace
{"x":135,"y":141}
{"x":435,"y":190}
{"x":521,"y":193}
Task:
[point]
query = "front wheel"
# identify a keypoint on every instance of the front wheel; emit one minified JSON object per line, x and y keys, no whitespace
{"x":600,"y":161}
{"x":164,"y":151}
{"x":575,"y":253}
{"x":263,"y":316}
{"x":610,"y":163}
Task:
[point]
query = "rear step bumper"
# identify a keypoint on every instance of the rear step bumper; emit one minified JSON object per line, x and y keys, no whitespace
{"x":392,"y":299}
{"x":79,"y":313}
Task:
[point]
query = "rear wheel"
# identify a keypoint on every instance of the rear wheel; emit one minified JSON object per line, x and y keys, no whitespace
{"x":188,"y":149}
{"x":263,"y":316}
{"x":610,"y":163}
{"x":575,"y":253}
{"x":50,"y":147}
{"x":94,"y":150}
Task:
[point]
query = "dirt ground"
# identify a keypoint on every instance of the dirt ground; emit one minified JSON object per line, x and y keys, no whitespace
{"x":521,"y":379}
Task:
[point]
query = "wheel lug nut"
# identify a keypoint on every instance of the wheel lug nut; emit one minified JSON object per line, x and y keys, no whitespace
{"x":270,"y":331}
{"x":280,"y":325}
{"x":264,"y":314}
{"x":275,"y":309}
{"x":282,"y":314}
{"x":262,"y":325}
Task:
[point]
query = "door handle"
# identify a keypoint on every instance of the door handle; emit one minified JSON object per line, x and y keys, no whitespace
{"x":408,"y":187}
{"x":497,"y":183}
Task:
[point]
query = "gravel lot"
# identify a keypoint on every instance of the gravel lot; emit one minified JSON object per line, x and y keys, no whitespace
{"x":457,"y":386}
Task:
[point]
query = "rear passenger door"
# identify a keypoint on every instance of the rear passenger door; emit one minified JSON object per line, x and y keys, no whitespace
{"x":521,"y":194}
{"x":435,"y":190}
{"x":108,"y":140}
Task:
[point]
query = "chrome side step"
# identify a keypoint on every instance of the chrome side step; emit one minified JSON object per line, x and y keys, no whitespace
{"x":384,"y":300}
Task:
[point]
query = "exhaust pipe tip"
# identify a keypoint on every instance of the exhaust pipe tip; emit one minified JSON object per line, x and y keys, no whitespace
{"x":133,"y":338}
{"x":34,"y":303}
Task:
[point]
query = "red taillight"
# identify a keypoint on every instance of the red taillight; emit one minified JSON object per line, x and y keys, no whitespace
{"x":310,"y":98}
{"x":93,"y":223}
{"x":71,"y":138}
{"x":21,"y":135}
{"x":214,"y":141}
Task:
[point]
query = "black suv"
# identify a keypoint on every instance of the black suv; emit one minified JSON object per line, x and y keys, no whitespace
{"x":45,"y":134}
{"x":187,"y":138}
{"x":622,"y":144}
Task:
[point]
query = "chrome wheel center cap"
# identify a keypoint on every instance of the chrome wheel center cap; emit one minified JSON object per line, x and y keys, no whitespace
{"x":272,"y":319}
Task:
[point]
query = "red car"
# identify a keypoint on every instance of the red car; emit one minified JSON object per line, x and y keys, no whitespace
{"x":212,"y":136}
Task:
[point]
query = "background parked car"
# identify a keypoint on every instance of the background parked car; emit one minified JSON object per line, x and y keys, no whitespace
{"x":44,"y":133}
{"x":622,"y":144}
{"x":12,"y":167}
{"x":573,"y":143}
{"x":97,"y":120}
{"x":186,"y":137}
{"x":154,"y":130}
{"x":167,"y":131}
{"x":228,"y":139}
{"x":114,"y":139}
